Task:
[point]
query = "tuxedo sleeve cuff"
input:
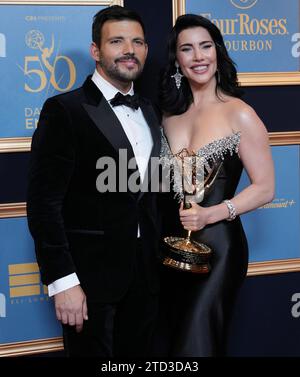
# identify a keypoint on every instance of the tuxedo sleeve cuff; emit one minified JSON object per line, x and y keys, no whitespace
{"x":62,"y":284}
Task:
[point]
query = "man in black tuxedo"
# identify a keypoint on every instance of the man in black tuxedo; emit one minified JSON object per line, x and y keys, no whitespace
{"x":97,"y":248}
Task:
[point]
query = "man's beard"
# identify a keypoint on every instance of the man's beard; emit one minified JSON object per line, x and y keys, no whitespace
{"x":116,"y":73}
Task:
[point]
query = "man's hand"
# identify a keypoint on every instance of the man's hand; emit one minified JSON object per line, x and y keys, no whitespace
{"x":71,"y":307}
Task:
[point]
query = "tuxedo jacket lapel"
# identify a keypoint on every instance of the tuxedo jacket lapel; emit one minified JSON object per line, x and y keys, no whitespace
{"x":107,"y":122}
{"x":105,"y":119}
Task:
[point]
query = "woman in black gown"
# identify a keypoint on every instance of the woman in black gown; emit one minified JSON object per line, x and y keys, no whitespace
{"x":204,"y":115}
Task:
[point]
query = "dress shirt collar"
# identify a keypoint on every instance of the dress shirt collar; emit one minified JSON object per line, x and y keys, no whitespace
{"x":107,"y":89}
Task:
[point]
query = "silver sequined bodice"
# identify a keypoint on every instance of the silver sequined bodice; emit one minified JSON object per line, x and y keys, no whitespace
{"x":208,"y":157}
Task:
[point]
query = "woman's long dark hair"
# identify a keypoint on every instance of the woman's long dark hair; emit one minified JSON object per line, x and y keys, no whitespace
{"x":175,"y":101}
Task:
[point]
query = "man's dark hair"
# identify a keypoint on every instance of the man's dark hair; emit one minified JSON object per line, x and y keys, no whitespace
{"x":113,"y":13}
{"x":174,"y":101}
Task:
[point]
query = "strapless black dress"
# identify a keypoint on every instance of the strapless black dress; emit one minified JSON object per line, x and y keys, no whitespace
{"x":196,"y":308}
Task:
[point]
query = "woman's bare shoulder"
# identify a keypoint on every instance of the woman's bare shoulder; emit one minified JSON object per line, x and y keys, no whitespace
{"x":242,"y":115}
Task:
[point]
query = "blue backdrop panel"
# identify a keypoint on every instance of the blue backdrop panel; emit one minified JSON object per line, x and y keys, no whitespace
{"x":273,"y":230}
{"x":258,"y":33}
{"x":26,"y":312}
{"x":44,"y":50}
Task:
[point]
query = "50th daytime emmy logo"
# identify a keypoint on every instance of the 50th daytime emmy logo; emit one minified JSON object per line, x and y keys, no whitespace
{"x":243,"y":4}
{"x":47,"y":68}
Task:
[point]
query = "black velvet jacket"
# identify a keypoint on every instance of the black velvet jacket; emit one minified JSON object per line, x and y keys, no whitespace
{"x":75,"y":227}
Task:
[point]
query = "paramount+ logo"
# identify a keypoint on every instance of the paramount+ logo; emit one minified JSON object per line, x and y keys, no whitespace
{"x":24,"y":280}
{"x":243,"y":4}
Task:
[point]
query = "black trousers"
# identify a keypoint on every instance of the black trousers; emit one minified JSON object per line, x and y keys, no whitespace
{"x":120,"y":329}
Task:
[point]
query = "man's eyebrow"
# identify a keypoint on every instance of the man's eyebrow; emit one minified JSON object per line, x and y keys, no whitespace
{"x":116,"y":37}
{"x":122,"y":37}
{"x":139,"y":39}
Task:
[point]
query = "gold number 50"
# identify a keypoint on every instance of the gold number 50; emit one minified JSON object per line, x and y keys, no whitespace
{"x":42,"y":75}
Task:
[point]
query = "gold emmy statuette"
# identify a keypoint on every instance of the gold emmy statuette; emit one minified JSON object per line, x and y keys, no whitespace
{"x":186,"y":254}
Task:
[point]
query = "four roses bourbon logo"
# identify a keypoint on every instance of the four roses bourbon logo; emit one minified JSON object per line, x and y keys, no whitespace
{"x":243,"y":4}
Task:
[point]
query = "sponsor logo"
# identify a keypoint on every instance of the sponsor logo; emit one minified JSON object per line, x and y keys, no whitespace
{"x":24,"y":280}
{"x":243,"y":4}
{"x":2,"y":46}
{"x":279,"y":203}
{"x":244,"y":25}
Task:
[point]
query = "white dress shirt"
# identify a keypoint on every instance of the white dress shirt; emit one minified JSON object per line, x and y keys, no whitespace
{"x":139,"y":136}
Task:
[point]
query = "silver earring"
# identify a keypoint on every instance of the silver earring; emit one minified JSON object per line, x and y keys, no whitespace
{"x":177,"y":76}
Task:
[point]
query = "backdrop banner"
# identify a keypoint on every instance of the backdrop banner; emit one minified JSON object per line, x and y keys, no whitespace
{"x":257,"y":33}
{"x":273,"y":230}
{"x":26,"y":311}
{"x":44,"y":51}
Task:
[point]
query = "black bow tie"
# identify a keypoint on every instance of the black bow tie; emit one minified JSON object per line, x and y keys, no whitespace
{"x":128,"y":100}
